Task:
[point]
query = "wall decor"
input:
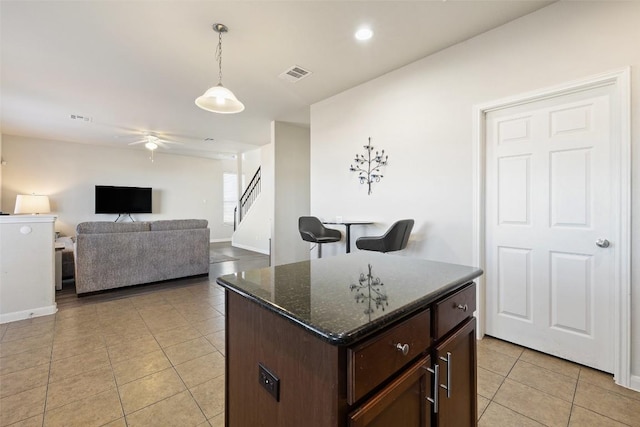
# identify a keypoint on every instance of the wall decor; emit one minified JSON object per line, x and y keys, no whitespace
{"x":368,"y":167}
{"x":370,"y":291}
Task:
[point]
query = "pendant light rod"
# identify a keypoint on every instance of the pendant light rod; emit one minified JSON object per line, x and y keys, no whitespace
{"x":219,"y":28}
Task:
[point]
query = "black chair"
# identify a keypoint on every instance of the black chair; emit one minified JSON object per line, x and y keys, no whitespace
{"x":312,"y":230}
{"x":395,"y":239}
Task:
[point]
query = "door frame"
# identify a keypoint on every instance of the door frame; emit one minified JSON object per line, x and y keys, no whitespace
{"x":621,"y":177}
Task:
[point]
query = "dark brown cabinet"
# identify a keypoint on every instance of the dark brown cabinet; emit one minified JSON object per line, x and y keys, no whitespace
{"x":401,"y":403}
{"x":456,"y":357}
{"x":305,"y":352}
{"x":441,"y":385}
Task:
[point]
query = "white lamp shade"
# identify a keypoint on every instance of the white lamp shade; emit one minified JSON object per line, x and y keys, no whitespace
{"x":32,"y":204}
{"x":219,"y":99}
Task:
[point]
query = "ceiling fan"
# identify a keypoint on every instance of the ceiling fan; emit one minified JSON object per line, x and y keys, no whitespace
{"x":152,"y":142}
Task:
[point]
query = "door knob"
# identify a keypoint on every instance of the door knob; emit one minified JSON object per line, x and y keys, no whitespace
{"x":603,"y":243}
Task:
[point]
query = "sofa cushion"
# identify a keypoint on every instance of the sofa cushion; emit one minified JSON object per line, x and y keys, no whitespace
{"x":97,"y":227}
{"x":178,"y":224}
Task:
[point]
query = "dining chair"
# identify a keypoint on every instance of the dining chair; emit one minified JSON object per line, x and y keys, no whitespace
{"x":312,"y":230}
{"x":395,"y":239}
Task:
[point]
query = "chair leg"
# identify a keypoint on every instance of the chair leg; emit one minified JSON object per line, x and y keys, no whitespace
{"x":319,"y":250}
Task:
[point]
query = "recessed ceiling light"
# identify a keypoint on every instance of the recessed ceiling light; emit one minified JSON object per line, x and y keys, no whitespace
{"x":364,"y":33}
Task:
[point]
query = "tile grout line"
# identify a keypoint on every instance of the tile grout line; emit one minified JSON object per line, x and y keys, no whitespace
{"x":124,"y":417}
{"x":180,"y":376}
{"x":507,"y":374}
{"x":519,"y":413}
{"x":573,"y":397}
{"x":46,"y":393}
{"x":172,"y":367}
{"x":500,"y":386}
{"x":91,"y":370}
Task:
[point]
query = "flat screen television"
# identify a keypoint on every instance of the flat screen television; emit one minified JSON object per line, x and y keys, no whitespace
{"x":122,"y":200}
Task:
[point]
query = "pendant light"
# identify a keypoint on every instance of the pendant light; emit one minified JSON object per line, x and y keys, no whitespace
{"x":219,"y":99}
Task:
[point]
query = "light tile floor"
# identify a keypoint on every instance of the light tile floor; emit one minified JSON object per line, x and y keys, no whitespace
{"x":146,"y":360}
{"x":521,"y":387}
{"x":154,"y":356}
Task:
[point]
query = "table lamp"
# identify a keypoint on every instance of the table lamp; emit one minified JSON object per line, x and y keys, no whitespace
{"x":32,"y":204}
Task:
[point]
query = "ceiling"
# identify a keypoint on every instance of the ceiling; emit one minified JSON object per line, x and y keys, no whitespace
{"x":130,"y":67}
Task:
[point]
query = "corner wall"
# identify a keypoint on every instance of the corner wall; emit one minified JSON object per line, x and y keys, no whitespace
{"x":183,"y":187}
{"x":291,"y":191}
{"x":421,"y":115}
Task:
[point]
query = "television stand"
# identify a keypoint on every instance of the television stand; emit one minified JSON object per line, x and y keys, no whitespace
{"x":124,"y":216}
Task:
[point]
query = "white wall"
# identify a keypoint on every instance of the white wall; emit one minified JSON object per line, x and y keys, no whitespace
{"x":291,"y":191}
{"x":284,"y":197}
{"x":421,"y":115}
{"x":183,"y":187}
{"x":254,"y":232}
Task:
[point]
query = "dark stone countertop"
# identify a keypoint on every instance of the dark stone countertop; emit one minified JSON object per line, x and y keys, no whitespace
{"x":335,"y":299}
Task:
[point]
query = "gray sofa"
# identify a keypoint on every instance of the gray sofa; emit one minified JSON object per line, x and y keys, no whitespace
{"x":112,"y":255}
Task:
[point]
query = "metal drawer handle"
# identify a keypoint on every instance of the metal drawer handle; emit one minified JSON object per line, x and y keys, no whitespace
{"x":436,"y":379}
{"x":448,"y":386}
{"x":463,"y":307}
{"x":402,"y":348}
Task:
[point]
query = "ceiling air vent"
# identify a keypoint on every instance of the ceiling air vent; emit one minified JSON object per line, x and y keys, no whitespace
{"x":294,"y":74}
{"x":80,"y":118}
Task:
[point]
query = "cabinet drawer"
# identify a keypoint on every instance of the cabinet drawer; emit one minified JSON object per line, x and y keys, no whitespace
{"x":375,"y":360}
{"x":453,"y":310}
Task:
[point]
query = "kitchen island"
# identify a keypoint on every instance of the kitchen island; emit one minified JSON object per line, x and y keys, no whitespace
{"x":364,"y":339}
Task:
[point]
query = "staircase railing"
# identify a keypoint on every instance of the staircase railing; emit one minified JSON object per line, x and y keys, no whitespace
{"x":248,"y":197}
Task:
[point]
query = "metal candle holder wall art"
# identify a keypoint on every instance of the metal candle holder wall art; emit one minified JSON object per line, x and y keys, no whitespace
{"x":371,"y":172}
{"x":369,"y":290}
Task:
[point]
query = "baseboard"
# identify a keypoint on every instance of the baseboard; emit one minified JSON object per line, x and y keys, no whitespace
{"x":228,"y":239}
{"x":634,"y":382}
{"x":250,"y":248}
{"x":27,"y":314}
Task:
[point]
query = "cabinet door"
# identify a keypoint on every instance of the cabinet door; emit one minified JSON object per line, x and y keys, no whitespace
{"x":457,"y":405}
{"x":401,"y":403}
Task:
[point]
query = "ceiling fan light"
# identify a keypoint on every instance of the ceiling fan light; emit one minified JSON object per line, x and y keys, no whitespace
{"x":219,"y":99}
{"x":364,"y":33}
{"x":151,"y":145}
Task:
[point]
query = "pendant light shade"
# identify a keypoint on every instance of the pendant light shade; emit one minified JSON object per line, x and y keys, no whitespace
{"x":219,"y":99}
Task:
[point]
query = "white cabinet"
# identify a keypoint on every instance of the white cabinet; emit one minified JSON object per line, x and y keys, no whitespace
{"x":27,"y":269}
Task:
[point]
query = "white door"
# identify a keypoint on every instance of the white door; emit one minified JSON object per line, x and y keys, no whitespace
{"x":548,"y":218}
